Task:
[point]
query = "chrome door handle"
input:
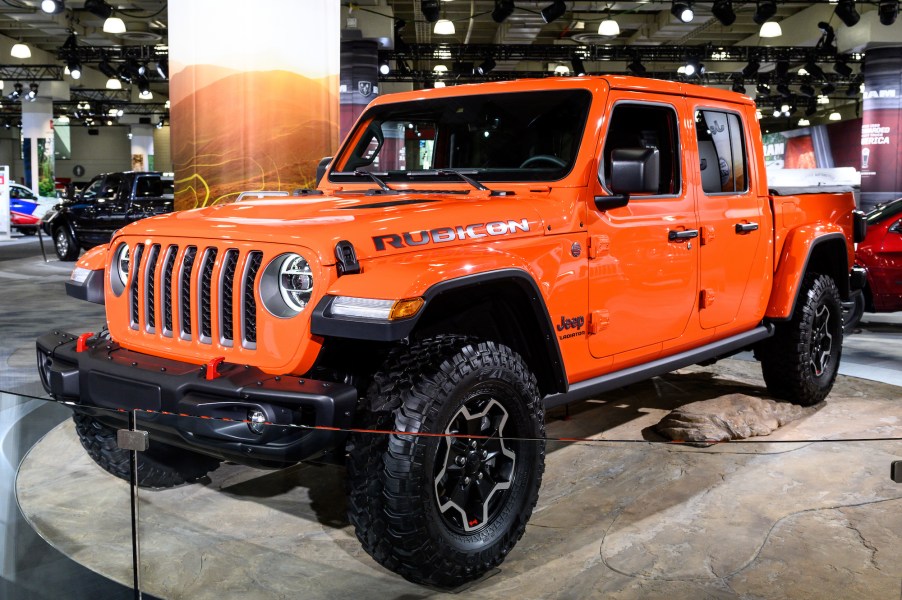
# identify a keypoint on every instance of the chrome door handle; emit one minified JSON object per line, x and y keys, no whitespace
{"x":746,"y":227}
{"x":680,"y":236}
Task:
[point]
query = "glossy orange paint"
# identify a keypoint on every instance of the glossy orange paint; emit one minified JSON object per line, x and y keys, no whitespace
{"x":639,"y":294}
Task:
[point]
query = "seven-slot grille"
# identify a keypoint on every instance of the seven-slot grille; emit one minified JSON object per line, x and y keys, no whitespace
{"x":179,"y":286}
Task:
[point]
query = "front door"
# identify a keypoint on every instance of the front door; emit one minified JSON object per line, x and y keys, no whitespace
{"x":643,"y":265}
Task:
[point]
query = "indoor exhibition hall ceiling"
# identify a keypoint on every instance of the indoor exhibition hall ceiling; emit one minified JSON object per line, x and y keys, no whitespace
{"x":522,"y":43}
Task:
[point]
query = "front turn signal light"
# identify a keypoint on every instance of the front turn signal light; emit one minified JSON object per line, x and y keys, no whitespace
{"x":406,"y":308}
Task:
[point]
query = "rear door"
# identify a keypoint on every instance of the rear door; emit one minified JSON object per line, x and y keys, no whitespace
{"x":643,"y":268}
{"x":732,"y":219}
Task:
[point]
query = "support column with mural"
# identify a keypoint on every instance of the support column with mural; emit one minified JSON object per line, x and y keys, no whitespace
{"x":251,"y":111}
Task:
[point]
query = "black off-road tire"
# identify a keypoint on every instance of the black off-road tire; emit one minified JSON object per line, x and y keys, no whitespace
{"x":160,"y":466}
{"x":800,"y":361}
{"x":416,"y":509}
{"x":65,"y":245}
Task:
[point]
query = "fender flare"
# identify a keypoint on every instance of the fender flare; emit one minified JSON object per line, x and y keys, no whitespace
{"x":325,"y":324}
{"x":791,"y":270}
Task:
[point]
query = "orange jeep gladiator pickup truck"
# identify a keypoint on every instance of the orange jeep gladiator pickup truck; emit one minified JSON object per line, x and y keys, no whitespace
{"x":472,"y":256}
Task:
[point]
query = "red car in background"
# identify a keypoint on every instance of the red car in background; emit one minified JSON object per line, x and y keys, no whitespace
{"x":880,"y":253}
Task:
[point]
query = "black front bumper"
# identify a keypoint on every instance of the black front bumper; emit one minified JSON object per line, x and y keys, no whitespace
{"x":179,"y":406}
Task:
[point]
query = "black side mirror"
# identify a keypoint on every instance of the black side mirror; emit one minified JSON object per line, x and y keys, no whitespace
{"x":635,"y":170}
{"x":321,"y":168}
{"x":859,"y":226}
{"x":896,"y":227}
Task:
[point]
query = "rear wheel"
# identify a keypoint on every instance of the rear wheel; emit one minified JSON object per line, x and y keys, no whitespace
{"x":160,"y":466}
{"x":65,"y":245}
{"x":800,"y":361}
{"x":444,"y":508}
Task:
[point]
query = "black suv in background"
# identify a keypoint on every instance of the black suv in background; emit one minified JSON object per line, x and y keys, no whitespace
{"x":109,"y":202}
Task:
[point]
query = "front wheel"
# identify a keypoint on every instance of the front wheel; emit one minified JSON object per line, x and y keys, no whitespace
{"x":160,"y":466}
{"x":453,"y":503}
{"x":800,"y":361}
{"x":64,"y":244}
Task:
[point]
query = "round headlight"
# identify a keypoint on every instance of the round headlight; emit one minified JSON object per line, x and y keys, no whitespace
{"x":286,"y":285}
{"x":120,"y":268}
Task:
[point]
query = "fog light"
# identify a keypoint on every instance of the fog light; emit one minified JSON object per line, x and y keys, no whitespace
{"x":256,"y":419}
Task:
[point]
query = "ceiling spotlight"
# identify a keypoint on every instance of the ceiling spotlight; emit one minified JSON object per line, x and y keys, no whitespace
{"x":738,"y":87}
{"x":163,"y":67}
{"x":443,"y":27}
{"x":840,"y":67}
{"x":770,"y":29}
{"x":74,"y":68}
{"x":440,"y":69}
{"x":142,"y":83}
{"x":576,"y":63}
{"x":811,"y":108}
{"x":146,"y":95}
{"x":486,"y":66}
{"x":835,"y":116}
{"x":99,"y":8}
{"x":888,"y":10}
{"x":636,"y":67}
{"x":17,"y":91}
{"x":32,"y":91}
{"x":828,"y":37}
{"x":762,"y":89}
{"x":854,"y":89}
{"x":114,"y":25}
{"x":765,"y":10}
{"x":113,"y":84}
{"x":804,"y":122}
{"x":431,"y":10}
{"x":438,"y":84}
{"x":723,"y":10}
{"x":777,"y":112}
{"x":846,"y":12}
{"x":807,"y":89}
{"x":751,"y":69}
{"x":828,"y":89}
{"x":554,"y":11}
{"x":106,"y":68}
{"x":682,"y":11}
{"x":20,"y":50}
{"x":813,"y":69}
{"x":609,"y":28}
{"x":384,"y":68}
{"x":781,"y":68}
{"x":53,"y":6}
{"x":783,"y":89}
{"x":503,"y":9}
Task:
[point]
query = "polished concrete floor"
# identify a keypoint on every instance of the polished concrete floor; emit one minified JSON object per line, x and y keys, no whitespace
{"x":621,"y":520}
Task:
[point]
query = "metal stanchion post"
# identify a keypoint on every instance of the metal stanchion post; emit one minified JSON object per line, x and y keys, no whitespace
{"x":41,"y":241}
{"x":136,"y":441}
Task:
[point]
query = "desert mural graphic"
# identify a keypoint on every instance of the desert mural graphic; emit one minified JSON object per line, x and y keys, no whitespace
{"x":252,"y":116}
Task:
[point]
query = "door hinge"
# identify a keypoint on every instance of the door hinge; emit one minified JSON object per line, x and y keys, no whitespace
{"x":707,"y":298}
{"x":599,"y":245}
{"x":599,"y":320}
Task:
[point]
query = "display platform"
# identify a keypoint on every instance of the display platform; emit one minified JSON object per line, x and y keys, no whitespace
{"x":800,"y":519}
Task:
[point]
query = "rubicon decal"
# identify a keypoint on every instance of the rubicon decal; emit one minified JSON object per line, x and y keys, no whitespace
{"x":449,"y":234}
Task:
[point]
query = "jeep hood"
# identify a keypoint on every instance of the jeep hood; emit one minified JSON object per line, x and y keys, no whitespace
{"x":377,"y":225}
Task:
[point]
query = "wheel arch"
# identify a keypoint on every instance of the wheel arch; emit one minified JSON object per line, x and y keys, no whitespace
{"x":806,"y":251}
{"x":503,"y":305}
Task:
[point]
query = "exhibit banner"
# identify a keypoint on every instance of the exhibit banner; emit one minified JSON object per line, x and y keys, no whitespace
{"x":881,"y":171}
{"x":254,"y":101}
{"x":359,"y":79}
{"x":4,"y":203}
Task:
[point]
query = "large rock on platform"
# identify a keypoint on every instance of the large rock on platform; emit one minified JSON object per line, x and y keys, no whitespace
{"x":730,"y":417}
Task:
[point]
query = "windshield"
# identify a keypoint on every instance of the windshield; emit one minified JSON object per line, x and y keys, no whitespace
{"x":884,"y":211}
{"x":524,"y":136}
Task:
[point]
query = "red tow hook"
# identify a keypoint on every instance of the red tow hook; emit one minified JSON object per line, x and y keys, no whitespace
{"x":81,"y":344}
{"x":212,"y":368}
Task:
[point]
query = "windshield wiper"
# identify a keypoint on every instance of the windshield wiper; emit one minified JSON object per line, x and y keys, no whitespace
{"x":461,"y":173}
{"x":379,"y":182}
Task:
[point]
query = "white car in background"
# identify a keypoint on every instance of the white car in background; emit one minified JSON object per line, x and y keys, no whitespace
{"x":26,"y":209}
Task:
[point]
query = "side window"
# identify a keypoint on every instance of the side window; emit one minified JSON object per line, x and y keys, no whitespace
{"x":721,"y":152}
{"x":111,"y":187}
{"x":91,"y":192}
{"x":147,"y":187}
{"x":646,"y":126}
